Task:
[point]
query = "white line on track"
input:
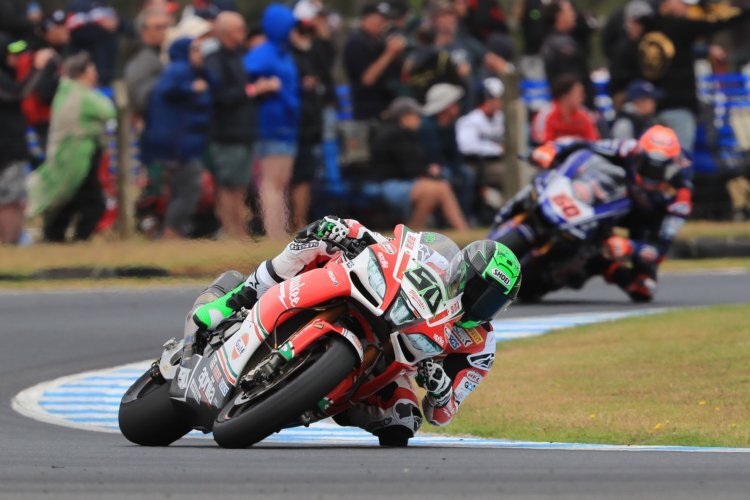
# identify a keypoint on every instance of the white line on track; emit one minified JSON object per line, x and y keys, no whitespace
{"x":90,"y":401}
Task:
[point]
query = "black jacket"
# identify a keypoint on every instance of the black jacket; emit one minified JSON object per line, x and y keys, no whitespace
{"x":397,"y":153}
{"x":369,"y":101}
{"x":313,"y":63}
{"x":12,"y":121}
{"x":13,"y":20}
{"x":235,"y":114}
{"x":666,"y":55}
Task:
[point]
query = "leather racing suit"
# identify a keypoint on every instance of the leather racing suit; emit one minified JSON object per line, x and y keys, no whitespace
{"x":654,"y":220}
{"x":394,"y":412}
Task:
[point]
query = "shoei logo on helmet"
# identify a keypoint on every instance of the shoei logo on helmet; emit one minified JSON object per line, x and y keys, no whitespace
{"x":501,"y":277}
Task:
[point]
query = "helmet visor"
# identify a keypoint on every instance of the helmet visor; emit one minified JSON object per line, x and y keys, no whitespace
{"x":483,"y":302}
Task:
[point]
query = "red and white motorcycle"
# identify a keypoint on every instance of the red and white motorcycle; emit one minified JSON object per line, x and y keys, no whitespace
{"x":310,"y":348}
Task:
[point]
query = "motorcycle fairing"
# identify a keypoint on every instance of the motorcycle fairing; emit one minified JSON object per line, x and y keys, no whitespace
{"x":563,"y":207}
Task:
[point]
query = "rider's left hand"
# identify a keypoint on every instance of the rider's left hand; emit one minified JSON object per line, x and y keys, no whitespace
{"x":432,"y":377}
{"x":617,"y":248}
{"x":332,"y":229}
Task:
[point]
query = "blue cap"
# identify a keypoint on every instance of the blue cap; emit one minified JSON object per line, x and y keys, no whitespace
{"x":641,"y":89}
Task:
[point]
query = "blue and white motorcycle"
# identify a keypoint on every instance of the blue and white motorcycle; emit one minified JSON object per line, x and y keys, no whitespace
{"x":558,"y":223}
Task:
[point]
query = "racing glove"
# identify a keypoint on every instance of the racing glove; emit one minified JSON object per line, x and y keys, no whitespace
{"x":683,"y":205}
{"x":618,"y":248}
{"x":544,"y":155}
{"x":331,"y":229}
{"x":432,"y":377}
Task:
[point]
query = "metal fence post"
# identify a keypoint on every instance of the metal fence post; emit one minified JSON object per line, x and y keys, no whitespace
{"x":125,"y":204}
{"x":515,"y":133}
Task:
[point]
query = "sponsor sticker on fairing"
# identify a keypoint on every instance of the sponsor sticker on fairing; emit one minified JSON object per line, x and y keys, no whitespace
{"x":387,"y":248}
{"x":240,"y":346}
{"x":223,"y":388}
{"x":205,"y":385}
{"x":332,"y":277}
{"x":382,"y":260}
{"x":295,"y":285}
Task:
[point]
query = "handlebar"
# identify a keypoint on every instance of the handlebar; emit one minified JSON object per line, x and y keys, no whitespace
{"x":351,"y":247}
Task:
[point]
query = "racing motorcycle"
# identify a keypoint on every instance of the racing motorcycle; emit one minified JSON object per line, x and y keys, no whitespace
{"x":560,"y":221}
{"x":309,"y":349}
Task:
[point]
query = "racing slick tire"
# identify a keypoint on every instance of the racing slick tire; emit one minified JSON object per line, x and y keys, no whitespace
{"x":246,"y":420}
{"x":148,"y":416}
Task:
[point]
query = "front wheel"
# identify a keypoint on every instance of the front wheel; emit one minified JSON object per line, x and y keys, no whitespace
{"x":295,"y":388}
{"x":148,"y":416}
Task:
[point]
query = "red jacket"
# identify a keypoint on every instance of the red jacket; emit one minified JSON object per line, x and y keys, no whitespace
{"x":550,"y":124}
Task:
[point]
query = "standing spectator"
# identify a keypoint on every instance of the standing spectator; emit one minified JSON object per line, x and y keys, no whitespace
{"x":142,"y":72}
{"x":66,"y":186}
{"x":36,"y":107}
{"x":193,"y":27}
{"x":13,"y":152}
{"x":234,"y":127}
{"x":638,"y":113}
{"x":667,"y":60}
{"x":468,"y":55}
{"x":438,"y":135}
{"x":143,"y":69}
{"x":565,"y":116}
{"x":14,"y":19}
{"x":177,"y":126}
{"x":480,"y":134}
{"x":208,"y":9}
{"x":623,"y":49}
{"x":560,"y":51}
{"x":278,"y":117}
{"x":405,"y":178}
{"x":372,"y":63}
{"x":312,"y":68}
{"x":93,"y":28}
{"x":483,"y":18}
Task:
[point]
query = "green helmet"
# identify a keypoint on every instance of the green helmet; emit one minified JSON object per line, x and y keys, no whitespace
{"x":490,"y":281}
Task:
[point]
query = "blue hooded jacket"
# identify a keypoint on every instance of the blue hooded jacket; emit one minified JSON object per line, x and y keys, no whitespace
{"x":178,"y":118}
{"x":278,"y":112}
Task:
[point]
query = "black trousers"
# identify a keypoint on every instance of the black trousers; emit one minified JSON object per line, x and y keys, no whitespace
{"x":87,"y":205}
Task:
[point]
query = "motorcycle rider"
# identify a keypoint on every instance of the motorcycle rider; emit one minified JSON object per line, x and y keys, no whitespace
{"x":660,"y":189}
{"x":490,"y":283}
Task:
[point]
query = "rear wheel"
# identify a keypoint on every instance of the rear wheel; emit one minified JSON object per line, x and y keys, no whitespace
{"x":296,"y":387}
{"x":148,"y":416}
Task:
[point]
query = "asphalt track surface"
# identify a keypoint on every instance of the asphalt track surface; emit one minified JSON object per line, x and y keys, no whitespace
{"x":47,"y":335}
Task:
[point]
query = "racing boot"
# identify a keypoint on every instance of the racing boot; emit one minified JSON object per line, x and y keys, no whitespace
{"x":209,"y":309}
{"x":642,"y":289}
{"x":208,"y":316}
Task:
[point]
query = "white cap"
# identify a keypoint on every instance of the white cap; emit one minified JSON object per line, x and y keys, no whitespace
{"x":440,"y":96}
{"x":493,"y":87}
{"x":305,"y":10}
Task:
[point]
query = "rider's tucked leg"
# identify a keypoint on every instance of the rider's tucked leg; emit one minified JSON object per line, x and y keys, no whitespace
{"x":223,"y":286}
{"x":638,"y":281}
{"x":296,"y":257}
{"x":392,"y":414}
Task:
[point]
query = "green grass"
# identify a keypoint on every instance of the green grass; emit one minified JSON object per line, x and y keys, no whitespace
{"x":679,"y":378}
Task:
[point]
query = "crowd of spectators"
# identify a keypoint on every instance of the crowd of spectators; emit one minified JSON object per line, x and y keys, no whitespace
{"x":231,"y":113}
